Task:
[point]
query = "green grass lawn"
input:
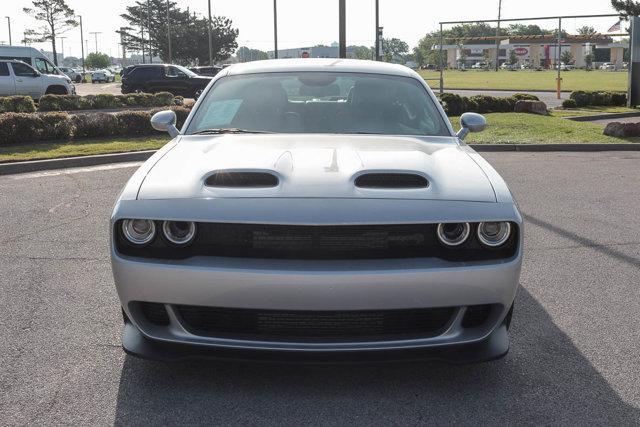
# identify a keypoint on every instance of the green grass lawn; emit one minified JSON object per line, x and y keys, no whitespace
{"x":87,"y":147}
{"x":529,"y":80}
{"x":520,"y":128}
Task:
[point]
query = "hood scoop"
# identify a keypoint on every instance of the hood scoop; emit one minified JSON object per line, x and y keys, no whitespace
{"x":236,"y":179}
{"x":398,"y":181}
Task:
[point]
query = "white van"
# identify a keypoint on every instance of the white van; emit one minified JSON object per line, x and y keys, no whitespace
{"x":31,"y":56}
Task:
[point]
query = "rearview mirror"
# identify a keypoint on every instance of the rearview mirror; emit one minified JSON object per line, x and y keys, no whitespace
{"x":165,"y":121}
{"x":471,"y":122}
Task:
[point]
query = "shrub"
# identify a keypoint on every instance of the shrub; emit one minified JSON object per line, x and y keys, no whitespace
{"x":86,"y":102}
{"x":162,"y":99}
{"x":598,"y":98}
{"x":104,"y":101}
{"x":59,"y":103}
{"x":6,"y":104}
{"x":453,"y":104}
{"x":56,"y":126}
{"x":134,"y":123}
{"x":569,"y":103}
{"x":23,"y":104}
{"x":94,"y":125}
{"x":20,"y":127}
{"x":525,"y":97}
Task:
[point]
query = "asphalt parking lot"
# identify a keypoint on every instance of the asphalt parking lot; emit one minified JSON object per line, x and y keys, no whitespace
{"x":575,"y":350}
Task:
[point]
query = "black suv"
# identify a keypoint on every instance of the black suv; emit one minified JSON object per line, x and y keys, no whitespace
{"x":153,"y":78}
{"x":206,"y":70}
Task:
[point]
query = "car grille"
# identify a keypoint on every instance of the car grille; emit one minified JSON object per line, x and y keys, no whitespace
{"x":283,"y":325}
{"x":341,"y":242}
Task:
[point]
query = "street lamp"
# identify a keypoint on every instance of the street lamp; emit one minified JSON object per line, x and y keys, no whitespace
{"x":169,"y":32}
{"x":275,"y":29}
{"x":9,"y":24}
{"x":84,"y":70}
{"x":95,"y":34}
{"x":210,"y":38}
{"x":62,"y":45}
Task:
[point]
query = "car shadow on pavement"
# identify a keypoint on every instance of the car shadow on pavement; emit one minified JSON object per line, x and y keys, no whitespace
{"x":543,"y":380}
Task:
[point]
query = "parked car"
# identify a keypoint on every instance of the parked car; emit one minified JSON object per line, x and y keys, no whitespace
{"x":74,"y":75}
{"x":608,"y":66}
{"x":566,"y":67}
{"x":510,"y":67}
{"x":32,"y":57}
{"x":102,"y":76}
{"x":153,"y":78}
{"x":342,"y":217}
{"x":206,"y":70}
{"x":19,"y":78}
{"x":480,"y":65}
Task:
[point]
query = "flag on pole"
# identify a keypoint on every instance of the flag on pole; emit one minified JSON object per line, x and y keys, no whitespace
{"x":615,"y":27}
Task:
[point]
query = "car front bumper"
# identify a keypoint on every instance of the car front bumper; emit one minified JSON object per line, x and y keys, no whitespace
{"x":315,"y":286}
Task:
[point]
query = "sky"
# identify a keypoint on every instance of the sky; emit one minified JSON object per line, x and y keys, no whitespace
{"x":309,"y":22}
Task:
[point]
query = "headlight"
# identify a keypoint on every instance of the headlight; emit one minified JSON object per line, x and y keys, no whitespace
{"x":139,"y":231}
{"x":494,"y":234}
{"x":179,"y":232}
{"x":453,"y":234}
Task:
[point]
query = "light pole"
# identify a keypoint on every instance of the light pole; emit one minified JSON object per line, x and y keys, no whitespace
{"x":275,"y":29}
{"x":210,"y":37}
{"x":377,"y":47}
{"x":342,"y":28}
{"x":169,"y":32}
{"x":498,"y":36}
{"x":62,"y":46}
{"x":9,"y":24}
{"x":149,"y":33}
{"x":95,"y":35}
{"x":84,"y":70}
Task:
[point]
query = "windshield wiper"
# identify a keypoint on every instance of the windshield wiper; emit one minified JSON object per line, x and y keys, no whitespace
{"x":218,"y":131}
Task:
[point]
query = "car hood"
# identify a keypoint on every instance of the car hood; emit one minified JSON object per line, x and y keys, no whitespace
{"x":317,"y":166}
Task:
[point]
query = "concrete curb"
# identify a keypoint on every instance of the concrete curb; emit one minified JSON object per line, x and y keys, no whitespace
{"x":604,"y":116}
{"x":554,"y":147}
{"x":73,"y":162}
{"x":140,"y":156}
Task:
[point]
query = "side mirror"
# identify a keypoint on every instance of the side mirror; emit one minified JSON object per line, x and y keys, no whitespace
{"x":471,"y":122}
{"x":165,"y":121}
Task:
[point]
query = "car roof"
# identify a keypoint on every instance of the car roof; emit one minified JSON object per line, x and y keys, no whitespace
{"x":320,"y":64}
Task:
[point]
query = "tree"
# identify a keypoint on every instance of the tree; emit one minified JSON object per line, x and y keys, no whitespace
{"x":626,"y":7}
{"x":462,"y":59}
{"x":97,"y":60}
{"x":363,"y":52}
{"x":588,"y":60}
{"x":513,"y":58}
{"x":147,"y":31}
{"x":526,"y":30}
{"x":394,"y":50}
{"x":57,"y":19}
{"x":586,"y":31}
{"x":246,"y":54}
{"x":566,"y":57}
{"x":71,"y":61}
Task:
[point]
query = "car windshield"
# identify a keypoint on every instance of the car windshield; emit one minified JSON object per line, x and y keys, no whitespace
{"x":187,"y":71}
{"x":320,"y":102}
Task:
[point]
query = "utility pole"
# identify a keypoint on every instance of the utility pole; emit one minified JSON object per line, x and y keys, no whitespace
{"x":144,"y":59}
{"x":149,"y":32}
{"x":62,"y":45}
{"x":559,"y":78}
{"x":498,"y":36}
{"x":84,"y":70}
{"x":275,"y":29}
{"x":9,"y":24}
{"x":124,"y":48}
{"x":95,"y":35}
{"x":342,"y":28}
{"x":169,"y":32}
{"x":210,"y":37}
{"x":377,"y":47}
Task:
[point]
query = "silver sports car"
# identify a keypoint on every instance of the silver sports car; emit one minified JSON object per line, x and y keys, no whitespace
{"x":313,"y":210}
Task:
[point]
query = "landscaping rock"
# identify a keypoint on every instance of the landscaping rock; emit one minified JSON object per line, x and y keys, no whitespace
{"x":621,"y":130}
{"x":534,"y":107}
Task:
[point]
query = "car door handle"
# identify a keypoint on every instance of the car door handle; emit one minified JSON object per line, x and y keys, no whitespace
{"x":19,"y":80}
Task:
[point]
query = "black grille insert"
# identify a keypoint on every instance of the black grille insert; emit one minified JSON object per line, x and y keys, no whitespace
{"x":476,"y":315}
{"x":391,"y":180}
{"x":283,"y":325}
{"x":155,"y":313}
{"x":242,"y":180}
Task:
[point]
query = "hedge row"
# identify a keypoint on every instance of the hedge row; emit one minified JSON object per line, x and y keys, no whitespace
{"x":454,"y":105}
{"x":58,"y":126}
{"x":104,"y":101}
{"x":17,"y":104}
{"x":596,"y":98}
